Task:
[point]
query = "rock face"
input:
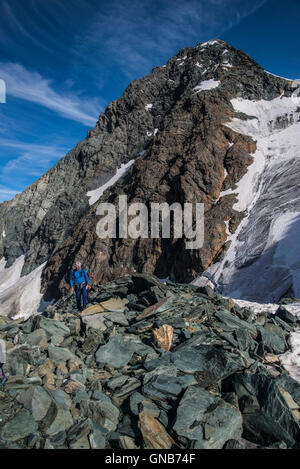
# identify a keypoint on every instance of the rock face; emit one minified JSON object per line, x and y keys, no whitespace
{"x":173,"y":126}
{"x":117,"y":387}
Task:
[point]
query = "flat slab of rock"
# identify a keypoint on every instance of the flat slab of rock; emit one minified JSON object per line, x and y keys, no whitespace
{"x":218,"y":362}
{"x":37,"y":401}
{"x":95,"y":321}
{"x":154,"y":434}
{"x":95,"y":309}
{"x":115,"y":353}
{"x":231,"y":322}
{"x":159,"y":307}
{"x":19,"y":426}
{"x":163,"y":387}
{"x":37,"y":337}
{"x":115,"y":305}
{"x":101,"y":412}
{"x":117,"y":318}
{"x":206,"y":420}
{"x":63,"y":421}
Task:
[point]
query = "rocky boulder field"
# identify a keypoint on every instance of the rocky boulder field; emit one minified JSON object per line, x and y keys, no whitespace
{"x":149,"y":365}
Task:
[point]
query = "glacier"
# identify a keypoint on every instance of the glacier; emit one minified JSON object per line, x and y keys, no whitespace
{"x":263,"y":260}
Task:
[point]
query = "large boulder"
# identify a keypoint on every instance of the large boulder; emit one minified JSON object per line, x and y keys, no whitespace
{"x":217,"y":361}
{"x":115,"y":353}
{"x":267,"y":416}
{"x":205,"y":420}
{"x":20,"y":426}
{"x":101,"y":412}
{"x":37,"y":400}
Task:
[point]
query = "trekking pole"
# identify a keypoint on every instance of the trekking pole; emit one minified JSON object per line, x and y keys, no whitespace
{"x":3,"y":376}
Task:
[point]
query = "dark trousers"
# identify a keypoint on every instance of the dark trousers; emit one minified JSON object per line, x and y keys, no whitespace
{"x":81,"y":293}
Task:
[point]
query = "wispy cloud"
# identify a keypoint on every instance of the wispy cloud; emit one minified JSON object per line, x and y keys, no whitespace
{"x":31,"y":86}
{"x":137,"y":35}
{"x":6,"y":193}
{"x":47,"y":60}
{"x":30,"y":161}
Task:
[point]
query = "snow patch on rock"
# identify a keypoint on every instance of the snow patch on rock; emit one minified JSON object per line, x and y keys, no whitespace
{"x":97,"y":193}
{"x":207,"y":85}
{"x":20,"y":297}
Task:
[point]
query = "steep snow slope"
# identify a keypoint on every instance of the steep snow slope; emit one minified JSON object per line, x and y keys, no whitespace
{"x":19,"y":296}
{"x":263,"y":261}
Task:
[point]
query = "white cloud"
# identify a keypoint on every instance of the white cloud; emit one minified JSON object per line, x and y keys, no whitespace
{"x":7,"y":193}
{"x":137,"y":35}
{"x":31,"y":86}
{"x":31,"y":161}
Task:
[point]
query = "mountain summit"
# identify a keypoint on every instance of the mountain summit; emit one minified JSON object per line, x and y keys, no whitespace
{"x":211,"y":126}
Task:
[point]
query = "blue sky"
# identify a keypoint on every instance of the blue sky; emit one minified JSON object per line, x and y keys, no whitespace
{"x":64,"y":60}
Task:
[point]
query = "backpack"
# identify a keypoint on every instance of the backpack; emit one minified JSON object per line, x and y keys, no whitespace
{"x":85,"y":274}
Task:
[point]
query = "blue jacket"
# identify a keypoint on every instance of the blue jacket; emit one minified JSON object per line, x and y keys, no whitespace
{"x":80,"y":276}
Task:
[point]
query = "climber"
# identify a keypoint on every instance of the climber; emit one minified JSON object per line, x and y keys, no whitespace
{"x":80,"y":282}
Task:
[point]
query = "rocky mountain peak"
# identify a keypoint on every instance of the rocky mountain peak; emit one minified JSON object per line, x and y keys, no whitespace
{"x":171,"y":134}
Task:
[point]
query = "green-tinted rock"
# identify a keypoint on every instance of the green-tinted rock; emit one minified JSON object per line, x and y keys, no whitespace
{"x":37,"y":401}
{"x":20,"y":426}
{"x":102,"y":412}
{"x":62,"y":422}
{"x":115,"y":353}
{"x":206,"y":420}
{"x":218,"y":362}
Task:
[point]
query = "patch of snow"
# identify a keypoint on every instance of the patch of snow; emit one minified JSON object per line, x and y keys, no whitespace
{"x":20,"y":297}
{"x":150,"y":134}
{"x":164,"y":280}
{"x":97,"y":193}
{"x":148,"y":107}
{"x":3,"y":233}
{"x":11,"y":275}
{"x":207,"y":85}
{"x":226,"y":65}
{"x":210,"y":43}
{"x":2,"y":264}
{"x":227,"y":228}
{"x":291,"y":360}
